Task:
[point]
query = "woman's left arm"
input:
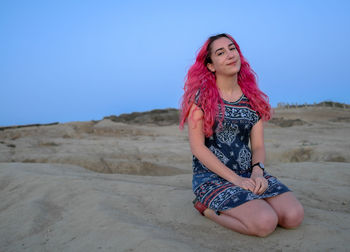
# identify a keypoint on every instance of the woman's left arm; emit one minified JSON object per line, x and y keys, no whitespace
{"x":258,"y":155}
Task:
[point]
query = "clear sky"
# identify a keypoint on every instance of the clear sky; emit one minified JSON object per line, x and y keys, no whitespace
{"x":73,"y":60}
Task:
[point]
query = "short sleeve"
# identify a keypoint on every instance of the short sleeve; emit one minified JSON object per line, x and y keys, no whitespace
{"x":259,"y":117}
{"x":256,"y":117}
{"x":197,"y":99}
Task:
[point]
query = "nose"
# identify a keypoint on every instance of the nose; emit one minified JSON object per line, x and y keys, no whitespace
{"x":230,"y":54}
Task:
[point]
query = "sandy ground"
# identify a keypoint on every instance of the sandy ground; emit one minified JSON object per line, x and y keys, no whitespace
{"x":107,"y":186}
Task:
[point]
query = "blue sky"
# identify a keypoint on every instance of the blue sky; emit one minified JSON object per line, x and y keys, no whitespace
{"x":83,"y":60}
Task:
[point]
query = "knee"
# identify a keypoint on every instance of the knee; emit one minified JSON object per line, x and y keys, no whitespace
{"x":266,"y":224}
{"x":293,"y":217}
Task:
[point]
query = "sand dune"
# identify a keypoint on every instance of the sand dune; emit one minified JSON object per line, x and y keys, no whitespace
{"x":126,"y":186}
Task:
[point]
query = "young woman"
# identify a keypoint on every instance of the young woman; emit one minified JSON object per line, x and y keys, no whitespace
{"x":224,"y":109}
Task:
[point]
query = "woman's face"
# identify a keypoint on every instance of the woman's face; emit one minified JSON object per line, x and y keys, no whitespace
{"x":225,"y":57}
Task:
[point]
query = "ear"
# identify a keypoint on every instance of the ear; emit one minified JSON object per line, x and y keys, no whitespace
{"x":211,"y":67}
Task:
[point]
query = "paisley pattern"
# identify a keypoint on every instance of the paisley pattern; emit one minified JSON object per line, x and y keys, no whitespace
{"x":228,"y":133}
{"x":244,"y":158}
{"x":219,"y":154}
{"x":230,"y":144}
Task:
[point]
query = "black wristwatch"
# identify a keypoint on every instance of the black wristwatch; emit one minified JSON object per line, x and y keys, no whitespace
{"x":261,"y":165}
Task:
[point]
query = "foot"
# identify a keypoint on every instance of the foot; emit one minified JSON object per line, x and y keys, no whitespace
{"x":199,"y":206}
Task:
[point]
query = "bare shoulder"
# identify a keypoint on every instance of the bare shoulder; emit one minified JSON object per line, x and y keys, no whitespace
{"x":257,"y":134}
{"x":195,"y":127}
{"x":196,"y":113}
{"x":258,"y":125}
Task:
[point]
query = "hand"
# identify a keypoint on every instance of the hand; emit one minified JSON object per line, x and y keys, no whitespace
{"x":261,"y":184}
{"x":247,"y":184}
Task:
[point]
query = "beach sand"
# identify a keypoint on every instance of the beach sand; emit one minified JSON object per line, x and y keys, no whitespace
{"x":112,"y":186}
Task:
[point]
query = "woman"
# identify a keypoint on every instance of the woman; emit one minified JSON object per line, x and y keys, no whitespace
{"x":224,"y":107}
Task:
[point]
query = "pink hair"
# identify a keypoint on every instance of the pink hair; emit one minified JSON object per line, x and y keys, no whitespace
{"x":200,"y":88}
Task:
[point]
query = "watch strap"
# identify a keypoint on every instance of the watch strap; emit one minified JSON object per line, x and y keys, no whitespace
{"x":260,"y":165}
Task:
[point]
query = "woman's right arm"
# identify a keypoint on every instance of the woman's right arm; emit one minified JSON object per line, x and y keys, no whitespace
{"x":198,"y":148}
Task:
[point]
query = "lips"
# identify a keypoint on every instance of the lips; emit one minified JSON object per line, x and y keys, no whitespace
{"x":232,"y":63}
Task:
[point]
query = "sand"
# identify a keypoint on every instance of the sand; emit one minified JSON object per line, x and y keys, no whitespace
{"x":111,"y":186}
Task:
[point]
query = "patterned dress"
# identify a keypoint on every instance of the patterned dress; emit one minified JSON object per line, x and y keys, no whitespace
{"x":230,"y":145}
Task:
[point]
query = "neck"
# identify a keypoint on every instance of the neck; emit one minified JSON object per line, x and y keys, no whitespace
{"x":228,"y":84}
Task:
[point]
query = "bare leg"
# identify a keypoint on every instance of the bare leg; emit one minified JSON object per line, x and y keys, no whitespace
{"x":255,"y":217}
{"x":289,"y":210}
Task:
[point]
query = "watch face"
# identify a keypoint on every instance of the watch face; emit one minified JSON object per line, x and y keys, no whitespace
{"x":261,"y":165}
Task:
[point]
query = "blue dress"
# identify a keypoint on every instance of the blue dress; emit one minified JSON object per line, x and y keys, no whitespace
{"x":230,"y":145}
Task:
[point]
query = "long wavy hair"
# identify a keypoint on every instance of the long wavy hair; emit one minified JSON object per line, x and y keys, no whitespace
{"x":200,"y":87}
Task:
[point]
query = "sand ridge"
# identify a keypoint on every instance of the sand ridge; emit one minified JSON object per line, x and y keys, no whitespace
{"x":119,"y":186}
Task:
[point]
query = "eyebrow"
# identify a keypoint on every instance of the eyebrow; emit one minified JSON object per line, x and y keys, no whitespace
{"x":221,"y":48}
